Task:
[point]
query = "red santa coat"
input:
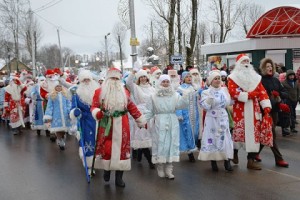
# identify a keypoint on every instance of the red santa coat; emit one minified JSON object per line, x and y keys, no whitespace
{"x":114,"y":149}
{"x":247,"y":114}
{"x":15,"y":110}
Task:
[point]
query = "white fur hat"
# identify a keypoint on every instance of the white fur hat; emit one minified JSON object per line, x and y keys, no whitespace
{"x":141,"y":73}
{"x":223,"y":73}
{"x":213,"y":74}
{"x":85,"y":74}
{"x":164,"y":77}
{"x":194,"y":70}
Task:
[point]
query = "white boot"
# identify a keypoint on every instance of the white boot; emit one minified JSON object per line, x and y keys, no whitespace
{"x":160,"y":170}
{"x":169,"y":170}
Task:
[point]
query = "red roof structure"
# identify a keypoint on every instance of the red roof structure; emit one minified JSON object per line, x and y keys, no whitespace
{"x":279,"y":22}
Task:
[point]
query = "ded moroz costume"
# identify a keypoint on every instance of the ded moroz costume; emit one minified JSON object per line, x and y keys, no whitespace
{"x":111,"y":105}
{"x":14,"y":103}
{"x":82,"y":97}
{"x":248,"y":93}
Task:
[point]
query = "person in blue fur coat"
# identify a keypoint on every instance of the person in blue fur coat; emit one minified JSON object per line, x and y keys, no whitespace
{"x":57,"y":114}
{"x":188,"y":118}
{"x":82,"y":97}
{"x":38,"y":107}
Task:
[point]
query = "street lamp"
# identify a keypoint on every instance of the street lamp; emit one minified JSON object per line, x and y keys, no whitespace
{"x":97,"y":60}
{"x":106,"y":51}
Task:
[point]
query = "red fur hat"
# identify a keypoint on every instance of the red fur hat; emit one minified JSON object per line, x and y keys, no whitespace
{"x":113,"y":72}
{"x":57,"y":71}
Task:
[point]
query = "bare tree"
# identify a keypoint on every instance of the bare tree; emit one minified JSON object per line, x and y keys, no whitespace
{"x":226,"y":13}
{"x":250,"y":14}
{"x":119,"y":34}
{"x":193,"y":35}
{"x":179,"y":31}
{"x":11,"y":14}
{"x":49,"y":55}
{"x":166,"y":9}
{"x":31,"y":28}
{"x":156,"y":34}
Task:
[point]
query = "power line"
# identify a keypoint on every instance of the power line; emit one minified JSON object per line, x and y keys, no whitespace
{"x":47,"y":5}
{"x":65,"y":30}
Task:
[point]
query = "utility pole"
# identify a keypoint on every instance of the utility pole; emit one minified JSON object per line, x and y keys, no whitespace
{"x":152,"y":35}
{"x":32,"y":44}
{"x":120,"y":45}
{"x":133,"y":39}
{"x":106,"y":50}
{"x":17,"y":36}
{"x":61,"y":58}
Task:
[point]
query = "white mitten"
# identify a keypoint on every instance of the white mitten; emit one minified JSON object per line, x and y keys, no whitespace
{"x":209,"y":101}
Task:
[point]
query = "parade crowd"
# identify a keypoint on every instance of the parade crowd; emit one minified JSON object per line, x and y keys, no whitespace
{"x":158,"y":114}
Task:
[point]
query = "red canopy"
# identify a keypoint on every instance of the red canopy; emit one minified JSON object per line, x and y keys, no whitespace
{"x":279,"y":22}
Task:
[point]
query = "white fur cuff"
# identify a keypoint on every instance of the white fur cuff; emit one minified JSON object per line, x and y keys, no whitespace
{"x":94,"y":113}
{"x":243,"y":97}
{"x":47,"y":117}
{"x":266,"y":103}
{"x":72,"y":116}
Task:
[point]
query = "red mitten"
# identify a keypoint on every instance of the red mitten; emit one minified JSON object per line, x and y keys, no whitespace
{"x":275,"y":93}
{"x":267,"y":110}
{"x":253,"y":95}
{"x":99,"y":114}
{"x":284,"y":107}
{"x":17,"y":81}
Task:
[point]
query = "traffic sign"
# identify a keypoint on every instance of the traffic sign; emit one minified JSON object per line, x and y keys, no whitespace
{"x":178,"y":59}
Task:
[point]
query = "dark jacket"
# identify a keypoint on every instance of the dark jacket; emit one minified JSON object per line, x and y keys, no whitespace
{"x":271,"y":83}
{"x":292,"y":87}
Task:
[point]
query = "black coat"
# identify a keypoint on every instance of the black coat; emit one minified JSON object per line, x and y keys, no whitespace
{"x":271,"y":83}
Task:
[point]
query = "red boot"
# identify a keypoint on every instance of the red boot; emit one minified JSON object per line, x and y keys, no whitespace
{"x":282,"y":163}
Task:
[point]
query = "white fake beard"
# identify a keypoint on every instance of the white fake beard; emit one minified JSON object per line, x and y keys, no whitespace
{"x":175,"y":82}
{"x":28,"y":90}
{"x":51,"y":85}
{"x":196,"y":81}
{"x":15,"y":92}
{"x":245,"y":73}
{"x":86,"y":91}
{"x":113,"y":94}
{"x":164,"y":91}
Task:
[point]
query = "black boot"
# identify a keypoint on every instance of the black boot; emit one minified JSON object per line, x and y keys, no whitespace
{"x":148,"y":157}
{"x":47,"y":133}
{"x":191,"y":157}
{"x":139,"y":155}
{"x":214,"y":166}
{"x":134,"y":154}
{"x":38,"y":132}
{"x":52,"y":137}
{"x":227,"y":165}
{"x":106,"y":175}
{"x":119,"y":181}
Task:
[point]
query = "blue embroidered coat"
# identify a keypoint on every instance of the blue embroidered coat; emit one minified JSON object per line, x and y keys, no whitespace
{"x":86,"y":125}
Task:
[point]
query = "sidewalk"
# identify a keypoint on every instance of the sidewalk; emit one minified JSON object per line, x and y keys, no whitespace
{"x":298,"y":109}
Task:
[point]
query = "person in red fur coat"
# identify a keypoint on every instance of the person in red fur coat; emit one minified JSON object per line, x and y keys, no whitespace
{"x":110,"y":106}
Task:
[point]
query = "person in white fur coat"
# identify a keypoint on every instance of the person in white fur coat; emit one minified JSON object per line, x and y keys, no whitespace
{"x":141,"y":91}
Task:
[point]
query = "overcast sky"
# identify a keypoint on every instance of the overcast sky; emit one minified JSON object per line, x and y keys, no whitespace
{"x":84,"y":23}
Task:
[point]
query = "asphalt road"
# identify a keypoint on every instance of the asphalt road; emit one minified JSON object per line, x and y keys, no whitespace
{"x":33,"y":168}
